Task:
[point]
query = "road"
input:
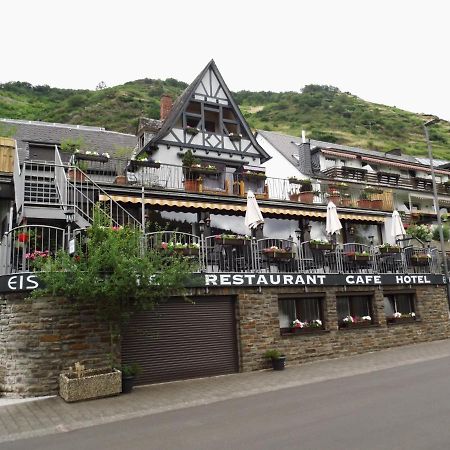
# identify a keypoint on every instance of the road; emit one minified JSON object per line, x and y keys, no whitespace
{"x":406,"y":407}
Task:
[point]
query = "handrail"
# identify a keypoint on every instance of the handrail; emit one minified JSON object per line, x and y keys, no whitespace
{"x":85,"y":199}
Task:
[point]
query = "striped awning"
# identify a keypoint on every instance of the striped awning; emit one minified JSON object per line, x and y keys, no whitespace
{"x":214,"y":206}
{"x":404,"y":165}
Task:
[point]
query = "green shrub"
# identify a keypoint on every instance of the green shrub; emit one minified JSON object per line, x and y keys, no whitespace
{"x":445,"y":232}
{"x":272,"y":354}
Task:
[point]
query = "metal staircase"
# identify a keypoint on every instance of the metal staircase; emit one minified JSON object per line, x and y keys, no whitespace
{"x":44,"y":191}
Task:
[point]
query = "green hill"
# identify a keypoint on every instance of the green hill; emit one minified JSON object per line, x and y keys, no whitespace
{"x":323,"y":111}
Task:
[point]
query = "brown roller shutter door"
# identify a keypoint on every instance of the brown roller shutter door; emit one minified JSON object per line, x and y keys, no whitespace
{"x":180,"y":340}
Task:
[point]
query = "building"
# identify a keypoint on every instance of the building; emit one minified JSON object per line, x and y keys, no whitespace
{"x":190,"y":173}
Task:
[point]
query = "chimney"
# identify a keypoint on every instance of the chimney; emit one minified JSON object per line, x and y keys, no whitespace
{"x":166,"y":104}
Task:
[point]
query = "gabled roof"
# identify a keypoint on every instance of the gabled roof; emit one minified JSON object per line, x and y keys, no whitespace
{"x":285,"y":144}
{"x":186,"y":96}
{"x":94,"y":138}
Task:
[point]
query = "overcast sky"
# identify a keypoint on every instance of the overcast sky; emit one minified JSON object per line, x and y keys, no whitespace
{"x":392,"y":52}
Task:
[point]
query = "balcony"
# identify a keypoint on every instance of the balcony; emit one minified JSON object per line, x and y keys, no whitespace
{"x":386,"y":179}
{"x":233,"y":253}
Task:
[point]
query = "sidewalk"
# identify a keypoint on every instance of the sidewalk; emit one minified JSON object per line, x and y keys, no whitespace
{"x":53,"y":415}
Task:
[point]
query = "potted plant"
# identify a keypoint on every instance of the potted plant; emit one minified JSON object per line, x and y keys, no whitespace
{"x":190,"y":182}
{"x":364,"y":200}
{"x":278,"y":360}
{"x":346,"y":199}
{"x":294,"y":195}
{"x":78,"y":174}
{"x":129,"y":373}
{"x":307,"y":197}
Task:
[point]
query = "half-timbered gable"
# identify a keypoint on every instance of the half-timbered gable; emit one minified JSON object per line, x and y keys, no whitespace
{"x":206,"y":120}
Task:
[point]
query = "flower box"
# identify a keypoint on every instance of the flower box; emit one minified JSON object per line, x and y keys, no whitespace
{"x":324,"y":246}
{"x":234,"y":137}
{"x":356,"y":325}
{"x":305,"y":330}
{"x":231,"y":241}
{"x":360,"y":257}
{"x":365,"y":203}
{"x":136,"y":164}
{"x":204,"y":170}
{"x":191,"y":130}
{"x":389,"y":250}
{"x":98,"y":158}
{"x":278,"y":254}
{"x":93,"y":383}
{"x":400,"y":320}
{"x":260,"y":175}
{"x":420,"y":260}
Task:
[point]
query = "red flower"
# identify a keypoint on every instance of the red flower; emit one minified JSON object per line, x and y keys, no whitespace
{"x":22,"y":237}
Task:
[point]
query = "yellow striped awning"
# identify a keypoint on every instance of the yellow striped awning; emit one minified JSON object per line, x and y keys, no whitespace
{"x":214,"y":206}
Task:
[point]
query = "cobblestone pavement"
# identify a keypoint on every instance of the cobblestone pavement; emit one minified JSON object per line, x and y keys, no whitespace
{"x":53,"y":415}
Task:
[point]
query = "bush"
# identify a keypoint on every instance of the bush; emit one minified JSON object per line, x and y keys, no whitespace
{"x":445,"y":232}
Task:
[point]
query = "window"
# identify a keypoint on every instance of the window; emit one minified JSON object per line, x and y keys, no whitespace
{"x":399,"y":307}
{"x":354,"y":309}
{"x":307,"y":312}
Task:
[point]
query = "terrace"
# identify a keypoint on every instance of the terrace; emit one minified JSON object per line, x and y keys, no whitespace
{"x":21,"y":246}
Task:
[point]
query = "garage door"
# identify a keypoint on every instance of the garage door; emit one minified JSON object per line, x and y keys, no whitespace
{"x":181,"y":340}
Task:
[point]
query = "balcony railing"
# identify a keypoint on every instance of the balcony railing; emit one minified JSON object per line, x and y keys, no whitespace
{"x":386,"y":179}
{"x":229,"y":253}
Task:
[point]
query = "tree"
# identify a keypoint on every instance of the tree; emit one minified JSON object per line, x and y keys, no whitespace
{"x":112,"y":270}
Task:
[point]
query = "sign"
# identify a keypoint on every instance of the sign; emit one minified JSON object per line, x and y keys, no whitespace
{"x":18,"y":282}
{"x":313,"y":279}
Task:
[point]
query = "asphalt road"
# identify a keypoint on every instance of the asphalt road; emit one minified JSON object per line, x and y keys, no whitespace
{"x":406,"y":408}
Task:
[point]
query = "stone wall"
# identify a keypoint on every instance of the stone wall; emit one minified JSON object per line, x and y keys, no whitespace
{"x":259,"y":328}
{"x":41,"y":337}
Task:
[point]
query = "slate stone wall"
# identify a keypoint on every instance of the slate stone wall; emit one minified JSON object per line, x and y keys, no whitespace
{"x":259,"y":328}
{"x":41,"y":337}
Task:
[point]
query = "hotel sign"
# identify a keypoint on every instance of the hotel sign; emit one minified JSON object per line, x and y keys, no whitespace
{"x":293,"y":279}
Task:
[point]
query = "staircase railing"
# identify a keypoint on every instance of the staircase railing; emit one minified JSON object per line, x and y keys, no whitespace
{"x":84,"y":196}
{"x":19,"y":181}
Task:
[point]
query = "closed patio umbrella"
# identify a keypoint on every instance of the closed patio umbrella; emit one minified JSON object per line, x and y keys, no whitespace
{"x":397,"y":228}
{"x":333,"y":223}
{"x":253,"y":216}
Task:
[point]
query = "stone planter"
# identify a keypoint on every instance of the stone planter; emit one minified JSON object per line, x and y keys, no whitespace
{"x":94,"y":383}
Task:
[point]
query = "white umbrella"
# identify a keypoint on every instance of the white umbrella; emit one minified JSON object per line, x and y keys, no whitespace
{"x":253,"y":216}
{"x":333,"y":223}
{"x":397,"y":228}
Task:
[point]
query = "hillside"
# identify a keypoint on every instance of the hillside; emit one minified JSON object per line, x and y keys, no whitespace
{"x":323,"y":111}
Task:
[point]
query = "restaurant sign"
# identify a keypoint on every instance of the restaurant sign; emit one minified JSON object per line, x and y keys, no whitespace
{"x":293,"y":279}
